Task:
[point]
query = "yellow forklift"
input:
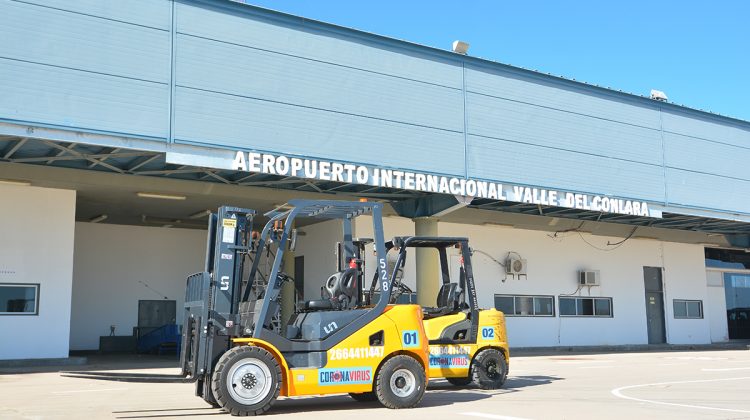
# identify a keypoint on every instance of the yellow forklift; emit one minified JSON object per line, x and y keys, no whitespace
{"x":466,"y":344}
{"x":241,"y":357}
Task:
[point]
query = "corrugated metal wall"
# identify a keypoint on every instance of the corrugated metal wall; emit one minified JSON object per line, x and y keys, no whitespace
{"x":247,"y":78}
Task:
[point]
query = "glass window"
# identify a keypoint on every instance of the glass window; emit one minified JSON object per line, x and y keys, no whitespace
{"x":690,"y":309}
{"x":504,"y":304}
{"x":407,"y":298}
{"x":602,"y":307}
{"x":524,"y":305}
{"x":19,"y":299}
{"x":680,"y":309}
{"x":585,"y":306}
{"x":543,"y":306}
{"x":513,"y":305}
{"x":567,"y":306}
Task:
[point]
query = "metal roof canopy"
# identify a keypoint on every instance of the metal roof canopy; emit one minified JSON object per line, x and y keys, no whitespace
{"x":324,"y":209}
{"x":120,"y":160}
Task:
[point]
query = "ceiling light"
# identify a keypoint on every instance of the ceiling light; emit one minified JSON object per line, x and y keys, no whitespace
{"x":501,"y":225}
{"x":17,"y":182}
{"x":200,"y":214}
{"x":162,"y":196}
{"x":99,"y":218}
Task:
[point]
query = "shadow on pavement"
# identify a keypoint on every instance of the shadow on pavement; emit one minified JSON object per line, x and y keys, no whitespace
{"x":511,"y":384}
{"x":434,"y":397}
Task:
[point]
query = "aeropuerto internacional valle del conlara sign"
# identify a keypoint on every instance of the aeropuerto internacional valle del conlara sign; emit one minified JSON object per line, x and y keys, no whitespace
{"x":324,"y":170}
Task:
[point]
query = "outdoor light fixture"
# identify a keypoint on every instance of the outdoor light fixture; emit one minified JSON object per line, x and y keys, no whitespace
{"x":162,"y":196}
{"x":17,"y":182}
{"x":460,"y":47}
{"x":200,"y":214}
{"x":99,"y":218}
{"x":658,"y":95}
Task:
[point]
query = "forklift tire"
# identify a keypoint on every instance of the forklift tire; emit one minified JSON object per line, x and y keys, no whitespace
{"x":459,"y":381}
{"x":364,"y":396}
{"x":246,"y":381}
{"x":490,"y":369}
{"x":401,"y":382}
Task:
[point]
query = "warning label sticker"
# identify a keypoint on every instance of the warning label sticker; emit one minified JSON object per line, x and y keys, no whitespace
{"x":230,"y":223}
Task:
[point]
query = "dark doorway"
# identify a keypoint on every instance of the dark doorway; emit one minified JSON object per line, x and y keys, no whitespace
{"x":654,"y":305}
{"x":153,"y":314}
{"x":737,"y":291}
{"x":299,"y":276}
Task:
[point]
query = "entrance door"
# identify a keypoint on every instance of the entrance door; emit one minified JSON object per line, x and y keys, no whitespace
{"x":654,"y":305}
{"x":737,"y":291}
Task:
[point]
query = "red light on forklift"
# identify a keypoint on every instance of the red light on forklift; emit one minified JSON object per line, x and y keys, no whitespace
{"x":352,"y":263}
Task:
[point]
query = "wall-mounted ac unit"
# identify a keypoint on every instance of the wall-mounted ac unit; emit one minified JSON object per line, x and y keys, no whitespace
{"x":515,"y":266}
{"x":588,"y":278}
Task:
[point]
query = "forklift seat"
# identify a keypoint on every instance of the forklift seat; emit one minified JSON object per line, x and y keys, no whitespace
{"x":339,"y":292}
{"x":446,"y":301}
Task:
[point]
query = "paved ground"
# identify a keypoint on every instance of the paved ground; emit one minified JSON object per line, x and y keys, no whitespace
{"x":664,"y":385}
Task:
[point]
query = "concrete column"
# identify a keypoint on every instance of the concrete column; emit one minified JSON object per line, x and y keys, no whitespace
{"x":287,"y":291}
{"x":428,"y":263}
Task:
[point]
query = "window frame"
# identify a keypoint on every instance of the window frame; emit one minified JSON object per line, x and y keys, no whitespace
{"x":593,"y":306}
{"x":533,"y":306}
{"x":687,"y":313}
{"x":36,"y":286}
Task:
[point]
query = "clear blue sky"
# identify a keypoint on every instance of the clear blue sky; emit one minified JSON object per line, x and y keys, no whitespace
{"x":698,"y":52}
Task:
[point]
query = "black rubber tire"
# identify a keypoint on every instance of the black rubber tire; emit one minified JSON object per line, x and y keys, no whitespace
{"x":489,"y":369}
{"x":364,"y":396}
{"x":459,"y":381}
{"x":383,"y":382}
{"x":224,"y":367}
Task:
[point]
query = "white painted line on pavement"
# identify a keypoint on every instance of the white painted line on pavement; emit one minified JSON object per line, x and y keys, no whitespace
{"x":89,"y":390}
{"x":618,"y":393}
{"x":724,"y":369}
{"x":491,"y":416}
{"x":596,"y":367}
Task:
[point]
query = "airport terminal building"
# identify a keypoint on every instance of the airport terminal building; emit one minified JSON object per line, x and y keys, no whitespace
{"x":597,"y":217}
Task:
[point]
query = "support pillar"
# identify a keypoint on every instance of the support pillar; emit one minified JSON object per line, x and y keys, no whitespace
{"x":428,"y":263}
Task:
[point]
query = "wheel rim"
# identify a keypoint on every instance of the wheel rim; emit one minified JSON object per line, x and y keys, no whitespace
{"x":403,"y":383}
{"x":249,"y":381}
{"x":491,"y":367}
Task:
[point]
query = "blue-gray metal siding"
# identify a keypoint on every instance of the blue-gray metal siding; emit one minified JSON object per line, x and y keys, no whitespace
{"x":226,"y":75}
{"x":89,"y":65}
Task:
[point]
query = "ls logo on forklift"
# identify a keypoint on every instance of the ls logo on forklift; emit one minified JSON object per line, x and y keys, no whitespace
{"x":488,"y":333}
{"x":224,"y":284}
{"x":331,"y":327}
{"x":410,"y":339}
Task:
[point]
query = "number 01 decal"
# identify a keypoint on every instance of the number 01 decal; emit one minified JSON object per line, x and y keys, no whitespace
{"x":410,"y":338}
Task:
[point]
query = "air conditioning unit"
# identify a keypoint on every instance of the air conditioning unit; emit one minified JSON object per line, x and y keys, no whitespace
{"x":515,"y":266}
{"x":588,"y":277}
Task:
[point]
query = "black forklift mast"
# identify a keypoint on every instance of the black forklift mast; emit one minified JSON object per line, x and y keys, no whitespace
{"x":212,"y":297}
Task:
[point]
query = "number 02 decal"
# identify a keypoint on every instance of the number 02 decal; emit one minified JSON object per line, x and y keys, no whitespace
{"x":410,"y":338}
{"x":488,"y":333}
